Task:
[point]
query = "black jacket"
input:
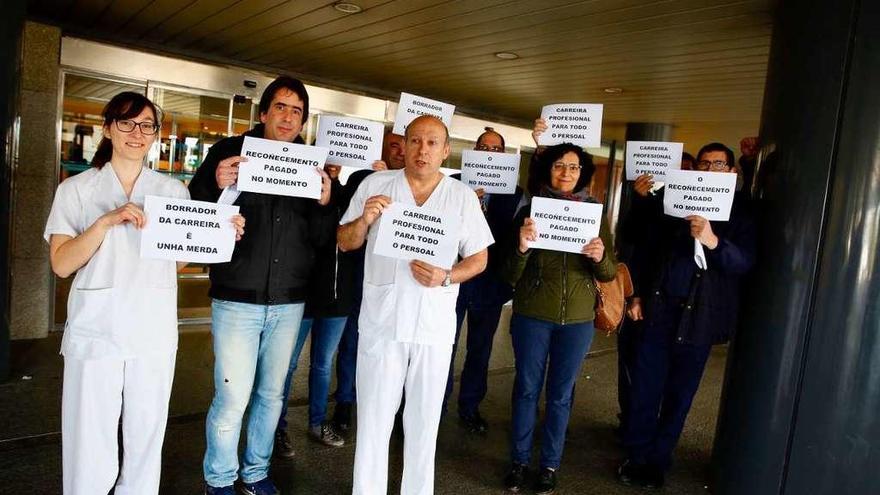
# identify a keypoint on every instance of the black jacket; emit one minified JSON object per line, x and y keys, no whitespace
{"x":274,"y":259}
{"x":488,"y":289}
{"x":333,"y":285}
{"x":710,"y":309}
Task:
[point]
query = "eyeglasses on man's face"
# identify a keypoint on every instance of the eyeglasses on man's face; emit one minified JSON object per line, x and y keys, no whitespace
{"x":148,"y":127}
{"x":496,"y":149}
{"x":562,"y":166}
{"x":717,"y":165}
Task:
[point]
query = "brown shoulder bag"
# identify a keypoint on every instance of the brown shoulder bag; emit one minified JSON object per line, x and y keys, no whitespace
{"x":611,"y":300}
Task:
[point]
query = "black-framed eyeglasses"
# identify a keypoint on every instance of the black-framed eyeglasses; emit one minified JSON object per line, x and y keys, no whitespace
{"x":148,"y":128}
{"x":496,"y":149}
{"x":571,"y":167}
{"x":713,"y":165}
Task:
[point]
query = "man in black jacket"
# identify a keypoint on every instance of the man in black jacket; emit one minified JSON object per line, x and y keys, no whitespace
{"x":684,"y":310}
{"x":257,"y":297}
{"x":481,"y":299}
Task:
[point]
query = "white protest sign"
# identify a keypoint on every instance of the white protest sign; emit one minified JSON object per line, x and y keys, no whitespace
{"x":411,"y":106}
{"x":410,"y":232}
{"x":495,"y":173}
{"x":282,"y":168}
{"x":707,"y":194}
{"x":351,"y":142}
{"x":576,"y":123}
{"x":564,"y":225}
{"x":185,"y":230}
{"x":652,"y":157}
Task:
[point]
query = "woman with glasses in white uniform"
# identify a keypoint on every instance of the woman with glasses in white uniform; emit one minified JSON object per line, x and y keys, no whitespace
{"x":120,"y":339}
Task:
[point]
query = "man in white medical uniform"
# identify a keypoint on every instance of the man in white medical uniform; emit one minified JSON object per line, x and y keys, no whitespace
{"x":407,"y":320}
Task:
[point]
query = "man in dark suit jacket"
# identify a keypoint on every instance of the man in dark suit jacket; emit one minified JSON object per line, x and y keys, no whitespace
{"x":684,"y":310}
{"x":481,"y":299}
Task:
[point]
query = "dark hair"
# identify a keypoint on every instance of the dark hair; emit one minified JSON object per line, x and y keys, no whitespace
{"x":731,"y":161}
{"x":125,"y":105}
{"x":539,"y":170}
{"x":291,"y":84}
{"x":489,"y":130}
{"x":687,"y":156}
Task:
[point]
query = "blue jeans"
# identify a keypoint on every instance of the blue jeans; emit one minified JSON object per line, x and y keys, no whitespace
{"x":535,"y":343}
{"x":346,"y":359}
{"x":252,"y":348}
{"x":326,"y":333}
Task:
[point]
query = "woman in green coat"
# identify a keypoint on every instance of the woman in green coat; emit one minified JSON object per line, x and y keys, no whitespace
{"x":553,"y":311}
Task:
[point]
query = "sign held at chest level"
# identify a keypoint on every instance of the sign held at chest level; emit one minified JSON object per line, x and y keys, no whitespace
{"x":281,"y":168}
{"x":564,"y":225}
{"x":495,"y":173}
{"x":409,"y":232}
{"x":185,"y":230}
{"x":707,"y":194}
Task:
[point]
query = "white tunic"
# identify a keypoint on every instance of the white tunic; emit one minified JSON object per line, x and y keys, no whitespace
{"x":395,"y":306}
{"x":120,"y":306}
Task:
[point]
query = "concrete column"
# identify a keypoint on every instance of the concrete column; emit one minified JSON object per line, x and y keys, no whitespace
{"x":802,"y":394}
{"x":11,"y":24}
{"x":35,"y":179}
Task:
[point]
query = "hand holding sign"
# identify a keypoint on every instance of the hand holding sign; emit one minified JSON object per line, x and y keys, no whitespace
{"x":127,"y":213}
{"x":540,"y":128}
{"x":373,"y":208}
{"x":227,"y":171}
{"x":595,"y":249}
{"x":427,"y":274}
{"x":528,"y":233}
{"x":701,"y":230}
{"x":643,"y":184}
{"x":238,"y":224}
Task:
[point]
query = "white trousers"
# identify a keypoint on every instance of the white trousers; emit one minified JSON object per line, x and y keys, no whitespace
{"x":384,"y":369}
{"x":96,"y":392}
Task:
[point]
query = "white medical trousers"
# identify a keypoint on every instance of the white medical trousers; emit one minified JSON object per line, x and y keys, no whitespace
{"x":384,"y":369}
{"x":96,"y":392}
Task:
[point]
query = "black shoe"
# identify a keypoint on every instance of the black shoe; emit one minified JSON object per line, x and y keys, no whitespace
{"x":283,"y":446}
{"x":546,"y":482}
{"x":516,"y":478}
{"x":325,"y":434}
{"x":644,"y":475}
{"x":342,"y":417}
{"x":474,"y":422}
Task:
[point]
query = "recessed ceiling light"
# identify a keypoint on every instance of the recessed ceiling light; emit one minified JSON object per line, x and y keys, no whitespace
{"x":613,"y":91}
{"x":347,"y":7}
{"x":506,"y":55}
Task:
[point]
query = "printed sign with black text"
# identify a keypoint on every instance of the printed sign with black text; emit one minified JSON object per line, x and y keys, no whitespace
{"x":495,"y":173}
{"x":351,"y":142}
{"x":411,"y":106}
{"x":281,"y":168}
{"x":576,"y":123}
{"x":564,"y":225}
{"x":653,"y":158}
{"x":409,"y":232}
{"x":186,"y":230}
{"x":707,"y":194}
